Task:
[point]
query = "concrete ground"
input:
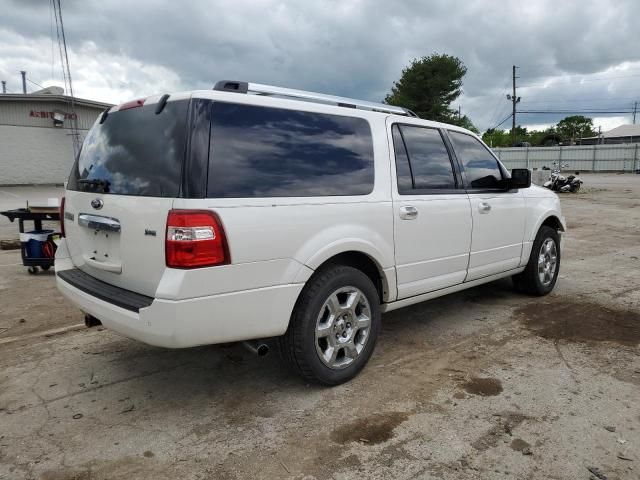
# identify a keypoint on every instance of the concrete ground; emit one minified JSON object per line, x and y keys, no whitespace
{"x":482,"y":384}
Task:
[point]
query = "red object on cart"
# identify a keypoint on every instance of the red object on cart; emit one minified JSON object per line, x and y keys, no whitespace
{"x":46,"y":259}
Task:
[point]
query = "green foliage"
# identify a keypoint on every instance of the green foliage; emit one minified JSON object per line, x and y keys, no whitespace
{"x":574,"y":127}
{"x":464,"y":122}
{"x":496,"y":138}
{"x":503,"y":138}
{"x":428,"y":86}
{"x":568,"y":130}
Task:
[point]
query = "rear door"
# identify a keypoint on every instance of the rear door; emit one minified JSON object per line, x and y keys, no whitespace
{"x":498,"y":214}
{"x":432,"y":217}
{"x":120,"y":191}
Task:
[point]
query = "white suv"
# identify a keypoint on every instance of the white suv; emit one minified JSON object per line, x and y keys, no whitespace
{"x":252,"y":212}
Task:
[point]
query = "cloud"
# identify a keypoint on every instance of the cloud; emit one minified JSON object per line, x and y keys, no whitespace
{"x":122,"y":49}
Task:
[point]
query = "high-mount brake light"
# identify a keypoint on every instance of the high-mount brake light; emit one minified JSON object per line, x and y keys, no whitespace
{"x":132,"y":104}
{"x":195,"y":238}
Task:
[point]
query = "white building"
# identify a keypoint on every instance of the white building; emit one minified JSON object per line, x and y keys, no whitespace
{"x":36,"y":145}
{"x":622,"y":134}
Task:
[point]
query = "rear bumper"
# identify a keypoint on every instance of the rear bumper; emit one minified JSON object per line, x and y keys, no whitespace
{"x":229,"y":317}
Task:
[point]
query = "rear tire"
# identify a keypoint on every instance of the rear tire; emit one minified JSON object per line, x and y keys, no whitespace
{"x":334,"y":326}
{"x":540,"y":276}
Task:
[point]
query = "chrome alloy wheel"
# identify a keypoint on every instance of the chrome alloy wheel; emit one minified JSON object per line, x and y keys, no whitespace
{"x":547,"y":261}
{"x":342,"y":327}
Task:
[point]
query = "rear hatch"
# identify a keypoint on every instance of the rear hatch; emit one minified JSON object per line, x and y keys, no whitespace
{"x":120,"y":191}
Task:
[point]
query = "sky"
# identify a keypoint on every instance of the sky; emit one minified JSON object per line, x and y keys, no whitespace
{"x":572,"y":55}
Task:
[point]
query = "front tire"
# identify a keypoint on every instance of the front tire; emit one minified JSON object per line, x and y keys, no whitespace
{"x":540,"y":276}
{"x":334,"y":326}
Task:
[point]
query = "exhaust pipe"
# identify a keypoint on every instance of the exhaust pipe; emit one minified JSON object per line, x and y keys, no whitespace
{"x":91,"y":321}
{"x":257,"y":347}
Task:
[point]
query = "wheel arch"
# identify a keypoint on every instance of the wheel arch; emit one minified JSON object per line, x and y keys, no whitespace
{"x":552,"y":221}
{"x":366,"y":263}
{"x":550,"y":218}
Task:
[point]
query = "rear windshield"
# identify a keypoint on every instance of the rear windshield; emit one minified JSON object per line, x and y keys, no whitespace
{"x":134,"y":152}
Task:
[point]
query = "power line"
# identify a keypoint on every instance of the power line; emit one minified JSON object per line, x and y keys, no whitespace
{"x":581,"y":99}
{"x":561,"y":112}
{"x":553,"y":106}
{"x":36,"y":84}
{"x":506,"y":118}
{"x":52,"y":39}
{"x":497,"y":111}
{"x":580,"y":82}
{"x":608,"y":60}
{"x":66,"y":74}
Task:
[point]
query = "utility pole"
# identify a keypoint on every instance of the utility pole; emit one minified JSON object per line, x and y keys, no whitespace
{"x":24,"y":81}
{"x":635,"y":108}
{"x":514,"y":100}
{"x":460,"y":114}
{"x":4,"y":86}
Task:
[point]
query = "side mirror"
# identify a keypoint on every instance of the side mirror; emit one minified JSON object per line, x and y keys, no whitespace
{"x":520,"y":178}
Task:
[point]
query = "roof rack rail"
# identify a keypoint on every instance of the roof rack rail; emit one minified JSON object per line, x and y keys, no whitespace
{"x":259,"y":89}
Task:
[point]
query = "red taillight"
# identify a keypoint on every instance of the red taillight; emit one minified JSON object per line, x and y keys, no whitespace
{"x":195,"y":238}
{"x":62,"y":217}
{"x":132,"y":104}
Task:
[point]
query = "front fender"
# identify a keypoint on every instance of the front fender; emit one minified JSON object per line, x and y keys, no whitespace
{"x":539,"y":210}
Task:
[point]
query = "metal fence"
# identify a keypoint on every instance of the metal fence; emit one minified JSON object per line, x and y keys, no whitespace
{"x":595,"y":158}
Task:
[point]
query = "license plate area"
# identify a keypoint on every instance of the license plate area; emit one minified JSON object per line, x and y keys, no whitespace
{"x":106,"y":246}
{"x":102,"y":234}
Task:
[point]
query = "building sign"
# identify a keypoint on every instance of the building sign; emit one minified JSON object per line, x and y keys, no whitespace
{"x":67,"y":116}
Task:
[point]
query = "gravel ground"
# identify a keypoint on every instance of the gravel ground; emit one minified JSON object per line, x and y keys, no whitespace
{"x":482,"y":384}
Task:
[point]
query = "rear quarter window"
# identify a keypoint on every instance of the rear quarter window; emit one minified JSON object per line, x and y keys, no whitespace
{"x":270,"y":152}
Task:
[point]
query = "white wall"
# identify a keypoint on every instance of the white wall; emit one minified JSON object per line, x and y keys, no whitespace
{"x":621,"y":157}
{"x":35,"y":155}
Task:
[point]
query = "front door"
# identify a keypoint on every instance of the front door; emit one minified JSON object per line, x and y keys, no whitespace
{"x":432,"y":216}
{"x":498,"y":214}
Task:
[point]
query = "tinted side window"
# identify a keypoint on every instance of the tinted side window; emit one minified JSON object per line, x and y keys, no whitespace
{"x":403,"y":169}
{"x":272,"y":152}
{"x":429,"y":158}
{"x":480,"y":167}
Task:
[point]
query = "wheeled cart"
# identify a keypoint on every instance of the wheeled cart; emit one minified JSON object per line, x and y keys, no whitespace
{"x":46,"y":258}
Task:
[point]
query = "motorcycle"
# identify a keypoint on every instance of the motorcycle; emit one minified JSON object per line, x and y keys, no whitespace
{"x":559,"y":183}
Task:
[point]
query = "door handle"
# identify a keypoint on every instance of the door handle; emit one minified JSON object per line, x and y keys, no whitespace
{"x":484,"y":207}
{"x":408,"y":213}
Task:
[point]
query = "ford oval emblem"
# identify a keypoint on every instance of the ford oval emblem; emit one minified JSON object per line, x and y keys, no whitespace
{"x":97,"y":203}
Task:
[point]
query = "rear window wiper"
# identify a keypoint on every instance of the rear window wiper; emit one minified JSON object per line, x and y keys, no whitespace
{"x":96,"y":182}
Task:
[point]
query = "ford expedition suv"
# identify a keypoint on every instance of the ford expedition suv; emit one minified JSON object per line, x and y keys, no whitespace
{"x":251,"y":212}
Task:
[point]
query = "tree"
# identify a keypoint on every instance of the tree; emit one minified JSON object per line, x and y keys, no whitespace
{"x":502,"y":138}
{"x":522,"y":135}
{"x":575,"y":126}
{"x":428,"y":86}
{"x":464,"y":122}
{"x":496,"y":138}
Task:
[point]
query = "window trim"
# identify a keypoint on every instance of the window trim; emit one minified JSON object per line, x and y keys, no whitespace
{"x":463,"y":174}
{"x":242,"y":104}
{"x":457,"y":178}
